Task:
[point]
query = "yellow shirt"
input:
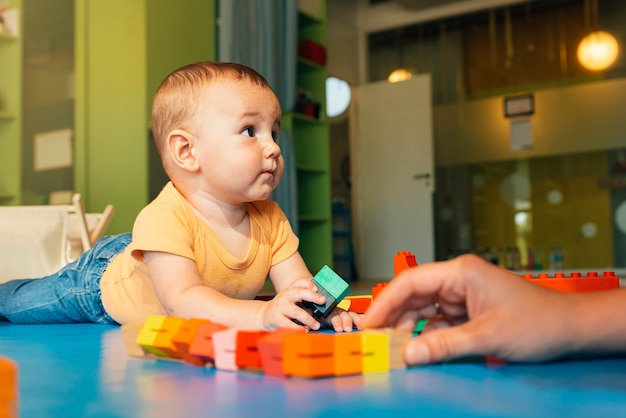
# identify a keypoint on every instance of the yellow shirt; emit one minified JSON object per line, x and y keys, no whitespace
{"x":169,"y":224}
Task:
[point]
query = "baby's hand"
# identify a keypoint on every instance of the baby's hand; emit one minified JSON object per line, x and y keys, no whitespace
{"x":284,"y":310}
{"x":343,"y":321}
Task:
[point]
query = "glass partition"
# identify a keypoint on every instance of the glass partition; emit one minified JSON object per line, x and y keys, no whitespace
{"x":550,"y":213}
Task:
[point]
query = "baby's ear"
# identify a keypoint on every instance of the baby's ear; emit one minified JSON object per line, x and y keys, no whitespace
{"x":181,"y":149}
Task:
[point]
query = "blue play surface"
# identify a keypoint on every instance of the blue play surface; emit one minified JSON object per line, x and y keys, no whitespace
{"x":83,"y":371}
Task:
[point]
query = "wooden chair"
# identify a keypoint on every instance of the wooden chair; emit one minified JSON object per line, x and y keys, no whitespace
{"x":36,"y":241}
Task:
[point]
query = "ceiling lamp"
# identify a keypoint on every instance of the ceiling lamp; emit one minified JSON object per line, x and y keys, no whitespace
{"x":401,"y":74}
{"x":598,"y":51}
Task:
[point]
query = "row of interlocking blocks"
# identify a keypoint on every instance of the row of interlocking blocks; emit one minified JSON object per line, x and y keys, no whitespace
{"x":283,"y":352}
{"x":8,"y":388}
{"x":576,"y":282}
{"x":359,"y":304}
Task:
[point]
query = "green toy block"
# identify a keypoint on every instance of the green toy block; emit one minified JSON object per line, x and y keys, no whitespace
{"x":332,"y":287}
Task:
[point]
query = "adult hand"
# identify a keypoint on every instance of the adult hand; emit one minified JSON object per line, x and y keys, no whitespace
{"x":476,"y":308}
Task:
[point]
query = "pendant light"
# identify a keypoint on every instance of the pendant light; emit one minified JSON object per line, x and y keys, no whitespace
{"x":599,"y":49}
{"x":401,"y":73}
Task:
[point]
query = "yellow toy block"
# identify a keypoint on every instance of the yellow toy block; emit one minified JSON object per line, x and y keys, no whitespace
{"x":156,"y":335}
{"x":375,"y":349}
{"x":344,"y":304}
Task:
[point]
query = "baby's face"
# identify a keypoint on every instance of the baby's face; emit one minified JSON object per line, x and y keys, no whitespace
{"x":237,"y":126}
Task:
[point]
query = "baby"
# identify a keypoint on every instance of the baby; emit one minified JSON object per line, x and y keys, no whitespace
{"x":205,"y":246}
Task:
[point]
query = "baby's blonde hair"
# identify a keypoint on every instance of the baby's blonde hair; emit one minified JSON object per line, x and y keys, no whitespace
{"x":175,"y":101}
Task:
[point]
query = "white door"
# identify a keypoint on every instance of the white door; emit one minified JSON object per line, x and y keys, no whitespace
{"x":393,"y":174}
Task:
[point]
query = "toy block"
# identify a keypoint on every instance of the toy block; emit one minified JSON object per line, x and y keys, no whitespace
{"x":270,"y":349}
{"x":375,"y":349}
{"x":202,"y":345}
{"x":330,"y":285}
{"x":359,"y":304}
{"x":419,"y":327}
{"x":130,"y":332}
{"x":397,"y":340}
{"x":576,"y":282}
{"x":402,"y":261}
{"x":156,"y":335}
{"x":345,"y":304}
{"x":308,"y":355}
{"x":247,"y":355}
{"x":377,"y":289}
{"x":225,"y":345}
{"x":9,"y":391}
{"x":185,"y":336}
{"x":348,"y":354}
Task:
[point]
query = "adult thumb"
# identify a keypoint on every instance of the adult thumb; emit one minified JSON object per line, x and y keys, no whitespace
{"x":441,"y":344}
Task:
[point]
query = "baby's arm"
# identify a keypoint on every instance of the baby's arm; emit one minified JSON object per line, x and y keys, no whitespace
{"x":293,"y":273}
{"x":178,"y":285}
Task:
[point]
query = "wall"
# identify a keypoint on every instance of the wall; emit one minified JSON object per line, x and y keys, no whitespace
{"x":117,"y":69}
{"x":48,"y":91}
{"x":342,"y":51}
{"x":565,"y":121}
{"x":342,"y":63}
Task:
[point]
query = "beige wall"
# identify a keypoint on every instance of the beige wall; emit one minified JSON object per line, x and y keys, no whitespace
{"x":585,"y":117}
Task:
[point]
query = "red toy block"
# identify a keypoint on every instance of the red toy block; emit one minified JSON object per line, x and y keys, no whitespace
{"x":8,"y":388}
{"x":185,"y":336}
{"x":308,"y":355}
{"x":359,"y":304}
{"x":377,"y":289}
{"x":202,"y":345}
{"x":348,"y":354}
{"x":576,"y":282}
{"x":270,"y":349}
{"x":247,"y":354}
{"x":402,"y":261}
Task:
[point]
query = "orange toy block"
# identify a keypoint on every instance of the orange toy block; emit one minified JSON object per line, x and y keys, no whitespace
{"x":402,"y":261}
{"x":348,"y":356}
{"x":308,"y":355}
{"x":185,"y":336}
{"x":270,"y":349}
{"x":576,"y":282}
{"x":156,"y":335}
{"x":375,"y":349}
{"x":377,"y":289}
{"x":247,"y":353}
{"x":8,"y":388}
{"x":225,"y":345}
{"x":202,"y":345}
{"x":359,"y":304}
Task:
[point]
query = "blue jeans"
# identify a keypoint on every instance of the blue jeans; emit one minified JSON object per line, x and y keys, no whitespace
{"x":70,"y":295}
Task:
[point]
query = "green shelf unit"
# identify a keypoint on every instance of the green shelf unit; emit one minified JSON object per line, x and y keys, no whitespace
{"x":10,"y":113}
{"x":312,"y":152}
{"x":113,"y":143}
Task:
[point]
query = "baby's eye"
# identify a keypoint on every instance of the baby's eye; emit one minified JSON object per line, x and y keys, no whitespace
{"x":275,"y":136}
{"x":248,"y":131}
